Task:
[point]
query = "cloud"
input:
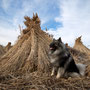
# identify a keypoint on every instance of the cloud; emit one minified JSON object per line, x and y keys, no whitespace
{"x":75,"y":18}
{"x":12,"y":14}
{"x":66,"y":18}
{"x":8,"y":35}
{"x":44,"y":8}
{"x":17,"y":9}
{"x":5,"y":4}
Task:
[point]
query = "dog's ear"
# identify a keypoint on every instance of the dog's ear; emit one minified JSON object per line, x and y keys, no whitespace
{"x":54,"y":39}
{"x":60,"y":40}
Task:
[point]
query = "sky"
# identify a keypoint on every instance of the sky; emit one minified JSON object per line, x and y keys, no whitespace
{"x":67,"y":19}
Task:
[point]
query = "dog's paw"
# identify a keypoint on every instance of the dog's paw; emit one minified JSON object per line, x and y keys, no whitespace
{"x":52,"y":74}
{"x":58,"y":76}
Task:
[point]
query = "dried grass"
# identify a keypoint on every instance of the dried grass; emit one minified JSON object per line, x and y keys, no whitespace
{"x":79,"y":46}
{"x":35,"y":82}
{"x":30,"y":53}
{"x":8,"y":46}
{"x":2,"y":51}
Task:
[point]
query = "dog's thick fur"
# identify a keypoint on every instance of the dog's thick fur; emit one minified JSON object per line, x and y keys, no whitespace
{"x":62,"y":61}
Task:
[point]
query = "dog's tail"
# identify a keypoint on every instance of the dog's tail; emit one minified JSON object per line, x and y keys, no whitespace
{"x":81,"y":68}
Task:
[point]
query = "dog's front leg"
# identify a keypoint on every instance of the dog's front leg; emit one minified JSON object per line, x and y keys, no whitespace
{"x":53,"y":71}
{"x":60,"y":72}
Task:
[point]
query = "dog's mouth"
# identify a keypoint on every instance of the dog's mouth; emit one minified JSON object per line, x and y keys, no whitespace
{"x":52,"y":48}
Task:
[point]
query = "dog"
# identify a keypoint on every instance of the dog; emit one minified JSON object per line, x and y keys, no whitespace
{"x":62,"y":61}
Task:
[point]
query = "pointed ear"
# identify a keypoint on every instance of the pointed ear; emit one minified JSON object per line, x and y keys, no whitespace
{"x":60,"y":39}
{"x":54,"y":39}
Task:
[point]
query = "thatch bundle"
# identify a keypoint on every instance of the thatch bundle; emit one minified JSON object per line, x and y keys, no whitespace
{"x":8,"y":46}
{"x":30,"y":53}
{"x":79,"y":46}
{"x":2,"y":51}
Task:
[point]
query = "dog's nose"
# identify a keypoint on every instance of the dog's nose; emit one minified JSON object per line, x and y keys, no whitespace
{"x":52,"y":44}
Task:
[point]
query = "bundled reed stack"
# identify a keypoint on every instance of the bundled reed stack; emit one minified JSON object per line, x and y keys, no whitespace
{"x":30,"y":53}
{"x":8,"y":46}
{"x":79,"y":46}
{"x":2,"y":51}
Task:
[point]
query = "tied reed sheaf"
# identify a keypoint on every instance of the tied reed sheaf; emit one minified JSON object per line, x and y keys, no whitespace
{"x":2,"y":51}
{"x":26,"y":66}
{"x":8,"y":46}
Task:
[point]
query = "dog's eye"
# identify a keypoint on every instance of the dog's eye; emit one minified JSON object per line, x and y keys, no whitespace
{"x":56,"y":45}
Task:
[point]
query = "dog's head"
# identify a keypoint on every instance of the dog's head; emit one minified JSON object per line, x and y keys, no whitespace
{"x":56,"y":44}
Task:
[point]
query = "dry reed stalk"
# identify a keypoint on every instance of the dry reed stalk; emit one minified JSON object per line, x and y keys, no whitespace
{"x":8,"y":46}
{"x":2,"y":50}
{"x":30,"y":53}
{"x":79,"y":46}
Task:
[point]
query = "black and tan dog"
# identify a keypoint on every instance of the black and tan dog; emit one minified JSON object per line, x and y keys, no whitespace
{"x":62,"y":61}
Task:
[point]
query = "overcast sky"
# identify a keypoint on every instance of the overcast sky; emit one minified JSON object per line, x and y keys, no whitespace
{"x":68,"y":19}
